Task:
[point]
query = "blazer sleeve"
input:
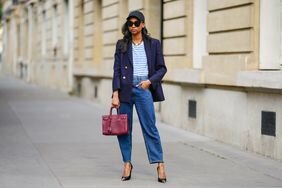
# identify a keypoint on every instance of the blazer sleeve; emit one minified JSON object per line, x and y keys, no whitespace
{"x":116,"y":69}
{"x":160,"y":67}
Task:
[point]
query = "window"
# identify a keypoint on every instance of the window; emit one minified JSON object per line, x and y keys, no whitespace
{"x":15,"y":2}
{"x":81,"y":32}
{"x":66,"y":31}
{"x":43,"y":34}
{"x":98,"y":31}
{"x":54,"y":28}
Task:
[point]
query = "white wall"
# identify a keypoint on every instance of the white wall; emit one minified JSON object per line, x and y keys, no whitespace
{"x":228,"y":115}
{"x":199,"y":32}
{"x":270,"y":34}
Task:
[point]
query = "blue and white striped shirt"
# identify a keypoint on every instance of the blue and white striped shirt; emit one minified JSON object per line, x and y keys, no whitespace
{"x":140,"y":66}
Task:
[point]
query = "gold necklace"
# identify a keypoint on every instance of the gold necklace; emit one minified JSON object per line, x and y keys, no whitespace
{"x":137,"y":43}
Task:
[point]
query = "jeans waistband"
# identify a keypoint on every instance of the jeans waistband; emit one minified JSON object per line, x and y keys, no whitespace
{"x":138,"y":79}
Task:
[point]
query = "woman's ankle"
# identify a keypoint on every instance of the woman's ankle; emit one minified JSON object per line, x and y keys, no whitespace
{"x":161,"y":164}
{"x":127,"y":164}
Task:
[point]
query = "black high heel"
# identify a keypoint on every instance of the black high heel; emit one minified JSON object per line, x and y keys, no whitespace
{"x":126,"y":178}
{"x":161,"y":180}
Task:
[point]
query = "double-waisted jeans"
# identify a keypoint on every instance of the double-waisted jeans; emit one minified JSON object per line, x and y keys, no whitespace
{"x":143,"y":101}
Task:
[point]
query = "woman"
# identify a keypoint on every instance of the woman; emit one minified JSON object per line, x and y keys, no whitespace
{"x":138,"y":70}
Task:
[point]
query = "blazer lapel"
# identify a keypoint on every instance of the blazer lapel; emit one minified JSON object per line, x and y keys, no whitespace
{"x":129,"y":53}
{"x":148,"y":50}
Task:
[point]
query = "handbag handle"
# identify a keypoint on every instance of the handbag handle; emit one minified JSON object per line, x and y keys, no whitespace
{"x":111,"y":110}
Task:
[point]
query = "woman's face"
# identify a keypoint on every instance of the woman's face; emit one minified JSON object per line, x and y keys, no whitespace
{"x":135,"y":26}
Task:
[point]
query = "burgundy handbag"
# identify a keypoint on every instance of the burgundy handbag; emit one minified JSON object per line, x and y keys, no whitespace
{"x":114,"y":124}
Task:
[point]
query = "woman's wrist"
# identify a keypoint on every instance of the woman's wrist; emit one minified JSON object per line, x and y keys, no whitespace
{"x":115,"y":94}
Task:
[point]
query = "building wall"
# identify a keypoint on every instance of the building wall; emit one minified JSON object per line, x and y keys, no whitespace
{"x":232,"y":40}
{"x":230,"y":115}
{"x":50,"y":63}
{"x":35,"y":42}
{"x":221,"y":77}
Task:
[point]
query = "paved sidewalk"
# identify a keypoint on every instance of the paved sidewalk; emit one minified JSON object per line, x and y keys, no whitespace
{"x":51,"y":140}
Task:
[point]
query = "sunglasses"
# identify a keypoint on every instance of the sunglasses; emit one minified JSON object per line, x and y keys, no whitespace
{"x":136,"y":23}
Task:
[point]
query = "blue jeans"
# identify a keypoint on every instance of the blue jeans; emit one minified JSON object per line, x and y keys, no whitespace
{"x":143,"y":101}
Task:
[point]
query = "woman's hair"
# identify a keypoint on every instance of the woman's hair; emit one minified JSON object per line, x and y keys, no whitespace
{"x":127,"y":36}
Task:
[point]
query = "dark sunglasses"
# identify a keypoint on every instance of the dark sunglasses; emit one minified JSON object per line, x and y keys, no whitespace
{"x":136,"y":23}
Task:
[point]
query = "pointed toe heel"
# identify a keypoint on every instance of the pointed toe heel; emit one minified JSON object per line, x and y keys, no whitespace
{"x":126,"y":178}
{"x":161,"y":180}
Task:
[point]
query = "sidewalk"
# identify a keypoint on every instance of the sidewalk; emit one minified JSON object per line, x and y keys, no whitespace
{"x":51,"y":140}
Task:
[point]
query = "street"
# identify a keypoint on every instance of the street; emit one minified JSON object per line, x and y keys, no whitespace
{"x":51,"y":140}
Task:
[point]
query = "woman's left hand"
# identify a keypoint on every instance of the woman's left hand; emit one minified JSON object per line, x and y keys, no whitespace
{"x":145,"y":84}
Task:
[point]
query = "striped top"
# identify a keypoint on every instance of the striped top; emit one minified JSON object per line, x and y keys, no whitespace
{"x":140,"y":66}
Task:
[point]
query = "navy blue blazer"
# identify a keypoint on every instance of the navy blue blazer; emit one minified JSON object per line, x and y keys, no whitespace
{"x":123,"y":70}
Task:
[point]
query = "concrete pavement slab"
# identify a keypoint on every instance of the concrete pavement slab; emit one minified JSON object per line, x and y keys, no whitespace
{"x":49,"y":139}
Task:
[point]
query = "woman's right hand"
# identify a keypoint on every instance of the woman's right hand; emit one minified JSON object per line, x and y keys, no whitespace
{"x":115,"y":100}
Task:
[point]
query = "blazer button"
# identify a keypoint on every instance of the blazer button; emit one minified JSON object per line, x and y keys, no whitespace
{"x":123,"y":77}
{"x":125,"y":67}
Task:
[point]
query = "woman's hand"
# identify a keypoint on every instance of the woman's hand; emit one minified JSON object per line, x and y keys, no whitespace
{"x":145,"y":84}
{"x":115,"y":100}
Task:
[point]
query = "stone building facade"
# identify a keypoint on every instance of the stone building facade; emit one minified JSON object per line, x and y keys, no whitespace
{"x":224,"y":75}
